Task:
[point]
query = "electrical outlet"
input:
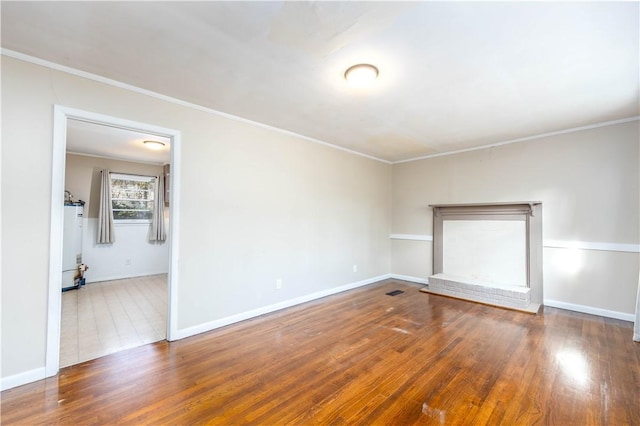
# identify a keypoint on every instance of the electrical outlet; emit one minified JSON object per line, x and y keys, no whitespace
{"x":278,"y":284}
{"x":355,"y":268}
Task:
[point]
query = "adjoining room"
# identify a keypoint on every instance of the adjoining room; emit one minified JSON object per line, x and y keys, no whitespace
{"x":123,"y":302}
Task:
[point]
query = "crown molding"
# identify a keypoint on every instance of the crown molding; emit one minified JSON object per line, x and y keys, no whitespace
{"x":132,"y":88}
{"x":524,"y":139}
{"x":125,"y":86}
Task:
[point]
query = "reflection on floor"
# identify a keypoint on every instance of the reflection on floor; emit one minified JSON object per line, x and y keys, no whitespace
{"x":109,"y":316}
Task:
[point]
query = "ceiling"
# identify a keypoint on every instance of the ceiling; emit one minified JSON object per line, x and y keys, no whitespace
{"x":112,"y":142}
{"x":453,"y":75}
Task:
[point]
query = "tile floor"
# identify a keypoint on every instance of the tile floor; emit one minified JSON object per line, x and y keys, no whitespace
{"x":109,"y":316}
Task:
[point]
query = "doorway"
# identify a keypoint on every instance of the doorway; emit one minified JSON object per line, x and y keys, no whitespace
{"x":122,"y":300}
{"x":62,"y":115}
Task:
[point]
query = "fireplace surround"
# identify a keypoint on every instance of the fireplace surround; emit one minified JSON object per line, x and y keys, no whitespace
{"x":489,"y":253}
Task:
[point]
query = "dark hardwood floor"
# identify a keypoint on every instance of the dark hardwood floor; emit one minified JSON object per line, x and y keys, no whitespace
{"x":360,"y":357}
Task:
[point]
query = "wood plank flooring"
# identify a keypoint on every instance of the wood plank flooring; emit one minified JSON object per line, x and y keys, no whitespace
{"x":360,"y":357}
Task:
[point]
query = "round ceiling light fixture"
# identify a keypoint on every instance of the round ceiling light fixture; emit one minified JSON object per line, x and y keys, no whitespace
{"x":156,"y":145}
{"x":361,"y":75}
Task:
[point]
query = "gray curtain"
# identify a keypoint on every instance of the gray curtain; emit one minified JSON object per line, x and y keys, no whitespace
{"x":106,"y":233}
{"x":158,"y":232}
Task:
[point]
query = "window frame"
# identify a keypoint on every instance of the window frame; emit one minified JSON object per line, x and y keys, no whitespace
{"x":135,"y":178}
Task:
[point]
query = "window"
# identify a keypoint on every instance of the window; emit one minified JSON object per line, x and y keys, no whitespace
{"x":132,"y":197}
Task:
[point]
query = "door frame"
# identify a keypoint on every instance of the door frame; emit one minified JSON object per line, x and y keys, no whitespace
{"x":54,"y":315}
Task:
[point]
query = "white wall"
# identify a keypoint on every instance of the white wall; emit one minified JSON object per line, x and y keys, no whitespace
{"x":256,"y":205}
{"x":588,"y":182}
{"x":132,"y":254}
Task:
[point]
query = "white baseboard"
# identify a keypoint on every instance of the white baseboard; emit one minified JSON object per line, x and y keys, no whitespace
{"x":22,"y":378}
{"x":123,"y":277}
{"x":410,"y":278}
{"x":212,"y":325}
{"x":414,"y":237}
{"x":590,"y":310}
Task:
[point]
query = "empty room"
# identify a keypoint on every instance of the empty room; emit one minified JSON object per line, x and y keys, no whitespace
{"x":327,"y":212}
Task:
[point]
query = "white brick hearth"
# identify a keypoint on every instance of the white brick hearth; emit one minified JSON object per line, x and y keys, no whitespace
{"x":491,"y":253}
{"x":513,"y":297}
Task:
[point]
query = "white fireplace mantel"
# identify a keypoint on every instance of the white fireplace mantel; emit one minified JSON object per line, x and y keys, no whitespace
{"x":529,"y":213}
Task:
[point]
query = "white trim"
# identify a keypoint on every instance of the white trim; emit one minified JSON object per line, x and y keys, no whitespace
{"x":132,"y":222}
{"x":122,"y":123}
{"x":410,"y":278}
{"x":60,"y":116}
{"x":54,"y":311}
{"x":414,"y":237}
{"x":589,"y":245}
{"x":124,"y":277}
{"x":565,"y":244}
{"x":125,"y":86}
{"x":589,"y":310}
{"x":174,"y":237}
{"x":212,"y":325}
{"x":524,"y":139}
{"x":22,"y":378}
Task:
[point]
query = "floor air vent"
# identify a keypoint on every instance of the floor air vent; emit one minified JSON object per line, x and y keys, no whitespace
{"x":394,"y":293}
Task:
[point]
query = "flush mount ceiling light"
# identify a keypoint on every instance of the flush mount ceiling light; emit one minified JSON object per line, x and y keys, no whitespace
{"x":361,"y":75}
{"x":154,"y":144}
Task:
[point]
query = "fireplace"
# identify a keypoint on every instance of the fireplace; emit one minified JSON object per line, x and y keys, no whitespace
{"x":489,"y":253}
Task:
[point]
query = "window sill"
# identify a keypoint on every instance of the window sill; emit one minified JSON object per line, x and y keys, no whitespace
{"x":131,"y":222}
